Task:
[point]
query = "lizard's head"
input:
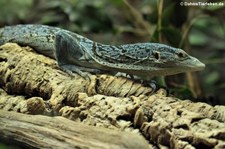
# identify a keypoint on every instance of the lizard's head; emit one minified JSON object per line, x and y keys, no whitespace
{"x":173,"y":60}
{"x":158,"y":59}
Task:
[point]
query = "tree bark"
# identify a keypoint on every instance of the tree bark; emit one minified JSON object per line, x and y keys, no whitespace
{"x":33,"y":84}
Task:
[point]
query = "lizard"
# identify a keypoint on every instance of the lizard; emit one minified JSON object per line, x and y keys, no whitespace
{"x":75,"y":53}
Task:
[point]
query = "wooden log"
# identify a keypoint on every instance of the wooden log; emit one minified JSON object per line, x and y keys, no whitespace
{"x":37,"y":131}
{"x":33,"y":84}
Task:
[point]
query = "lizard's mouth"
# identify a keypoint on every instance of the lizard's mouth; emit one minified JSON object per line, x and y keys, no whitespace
{"x":187,"y":65}
{"x":192,"y":64}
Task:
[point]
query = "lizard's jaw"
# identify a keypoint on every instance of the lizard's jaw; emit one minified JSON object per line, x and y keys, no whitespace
{"x":189,"y":65}
{"x":193,"y":64}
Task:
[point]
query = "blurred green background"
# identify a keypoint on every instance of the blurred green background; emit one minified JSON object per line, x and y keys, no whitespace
{"x":199,"y":30}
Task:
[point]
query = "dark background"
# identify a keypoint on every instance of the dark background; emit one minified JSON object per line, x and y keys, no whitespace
{"x":199,"y":30}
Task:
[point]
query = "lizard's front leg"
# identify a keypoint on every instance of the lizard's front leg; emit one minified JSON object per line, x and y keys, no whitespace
{"x":68,"y":52}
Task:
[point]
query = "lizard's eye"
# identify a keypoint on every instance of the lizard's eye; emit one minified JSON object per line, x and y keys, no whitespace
{"x":156,"y":55}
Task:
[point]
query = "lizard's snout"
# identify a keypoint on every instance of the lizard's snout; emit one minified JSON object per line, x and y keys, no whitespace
{"x":200,"y":65}
{"x":195,"y":64}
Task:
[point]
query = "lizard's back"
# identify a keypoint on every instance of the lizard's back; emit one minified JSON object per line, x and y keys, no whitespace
{"x":39,"y":37}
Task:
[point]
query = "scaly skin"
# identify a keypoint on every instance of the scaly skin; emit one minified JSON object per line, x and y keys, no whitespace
{"x":75,"y":53}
